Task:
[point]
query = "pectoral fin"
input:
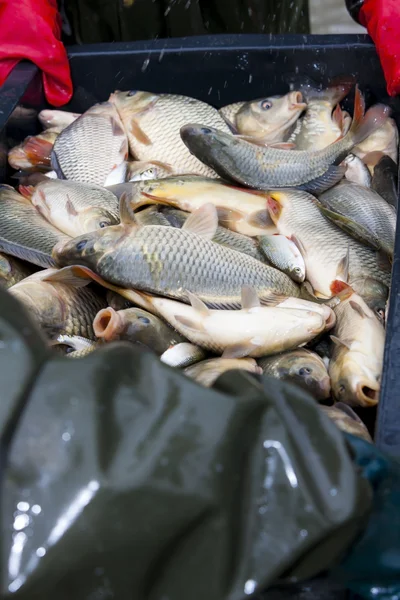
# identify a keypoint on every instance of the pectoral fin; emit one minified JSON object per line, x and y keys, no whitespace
{"x":338,"y":342}
{"x":202,"y":222}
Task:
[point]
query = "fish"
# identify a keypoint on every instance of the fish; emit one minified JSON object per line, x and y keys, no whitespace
{"x":151,"y":216}
{"x":74,"y":208}
{"x":384,"y":181}
{"x":137,"y":326}
{"x":357,"y":171}
{"x":24,"y":233}
{"x":269,"y":119}
{"x":361,"y":213}
{"x":12,"y":270}
{"x":138,"y":170}
{"x":35,"y":151}
{"x":206,"y":372}
{"x":375,"y":295}
{"x":91,"y":147}
{"x":384,"y":139}
{"x":183,"y":355}
{"x":224,"y":236}
{"x":57,"y":118}
{"x":300,"y":367}
{"x":346,"y":419}
{"x":173,"y":262}
{"x":300,"y":303}
{"x":356,"y":365}
{"x":229,"y":112}
{"x":261,"y":167}
{"x":59,"y":309}
{"x":330,"y":255}
{"x":321,"y":124}
{"x":152,"y":123}
{"x":240,"y":210}
{"x":74,"y":346}
{"x":283,"y":253}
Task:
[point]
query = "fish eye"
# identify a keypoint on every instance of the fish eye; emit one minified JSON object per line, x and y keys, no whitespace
{"x":144,"y":320}
{"x":342,"y":389}
{"x":266,"y":104}
{"x":205,"y":130}
{"x":380,"y":313}
{"x":131,"y":93}
{"x":304,"y":371}
{"x":297,"y":270}
{"x":80,"y":245}
{"x":103,"y":224}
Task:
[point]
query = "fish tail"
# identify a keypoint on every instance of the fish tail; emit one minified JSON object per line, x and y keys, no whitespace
{"x":362,"y":126}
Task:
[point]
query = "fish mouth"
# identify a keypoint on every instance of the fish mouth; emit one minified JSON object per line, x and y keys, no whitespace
{"x":367,"y":395}
{"x":107,"y":324}
{"x":193,"y":130}
{"x":296,"y":101}
{"x":57,"y":251}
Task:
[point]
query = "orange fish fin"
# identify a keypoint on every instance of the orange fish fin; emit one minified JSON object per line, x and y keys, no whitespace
{"x":26,"y":191}
{"x":139,"y":134}
{"x":38,"y":151}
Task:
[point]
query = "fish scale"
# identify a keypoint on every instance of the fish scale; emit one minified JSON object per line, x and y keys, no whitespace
{"x":325,"y":244}
{"x":161,"y":121}
{"x":169,"y":261}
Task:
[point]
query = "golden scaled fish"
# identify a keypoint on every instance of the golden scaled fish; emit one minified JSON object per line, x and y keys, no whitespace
{"x":12,"y":270}
{"x":356,"y":365}
{"x":322,"y":122}
{"x":74,"y":208}
{"x":173,"y":262}
{"x":267,"y":119}
{"x":34,"y":152}
{"x":241,"y":210}
{"x":153,"y":121}
{"x":207,"y":372}
{"x":265,"y":167}
{"x":300,"y":367}
{"x":58,"y":308}
{"x":90,"y":148}
{"x":330,"y":255}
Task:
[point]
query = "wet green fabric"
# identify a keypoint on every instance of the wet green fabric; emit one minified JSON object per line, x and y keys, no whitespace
{"x":124,"y":479}
{"x":372,"y":567}
{"x":113,"y":20}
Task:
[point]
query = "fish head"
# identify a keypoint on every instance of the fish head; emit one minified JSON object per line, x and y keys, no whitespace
{"x":297,"y":271}
{"x":308,"y":370}
{"x":275,"y":204}
{"x":95,"y":218}
{"x":353,"y":383}
{"x":88,"y":248}
{"x":133,"y":102}
{"x":375,"y":295}
{"x":268,"y":116}
{"x":207,"y":142}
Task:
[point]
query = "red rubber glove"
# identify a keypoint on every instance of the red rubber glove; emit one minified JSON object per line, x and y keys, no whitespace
{"x":31,"y":29}
{"x":382,"y":20}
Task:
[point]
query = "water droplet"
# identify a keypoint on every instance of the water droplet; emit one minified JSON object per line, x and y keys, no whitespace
{"x":250,"y":78}
{"x":66,"y":436}
{"x":250,"y":586}
{"x":333,"y":492}
{"x":263,"y":509}
{"x":23,"y":506}
{"x":145,"y":64}
{"x":21,"y":521}
{"x":303,"y":533}
{"x":36,"y":509}
{"x":40,"y":552}
{"x":167,"y":11}
{"x":209,"y":91}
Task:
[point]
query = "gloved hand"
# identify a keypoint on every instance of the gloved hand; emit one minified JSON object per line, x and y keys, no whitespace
{"x":32,"y":30}
{"x":382,"y":20}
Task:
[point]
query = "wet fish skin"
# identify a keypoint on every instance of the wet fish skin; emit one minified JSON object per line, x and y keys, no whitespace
{"x":240,"y":210}
{"x":35,"y":151}
{"x":384,"y":140}
{"x":170,"y":261}
{"x":207,"y":372}
{"x":56,"y":307}
{"x":300,"y":367}
{"x":74,"y":346}
{"x":75,"y":208}
{"x":79,"y":151}
{"x":24,"y":233}
{"x":375,"y":295}
{"x":319,"y":126}
{"x":152,"y":123}
{"x":261,"y":167}
{"x":57,"y":118}
{"x":384,"y":181}
{"x":12,"y":270}
{"x":183,"y":355}
{"x":138,"y":170}
{"x":137,"y":326}
{"x":284,"y":255}
{"x":270,"y":119}
{"x":356,"y":365}
{"x":324,"y":245}
{"x":357,"y":171}
{"x":229,"y":112}
{"x":347,"y":420}
{"x":362,"y":213}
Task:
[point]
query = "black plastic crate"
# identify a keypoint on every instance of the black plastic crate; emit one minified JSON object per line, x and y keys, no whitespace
{"x":220,"y":70}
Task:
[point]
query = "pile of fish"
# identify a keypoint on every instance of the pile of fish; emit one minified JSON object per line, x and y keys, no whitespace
{"x":256,"y":237}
